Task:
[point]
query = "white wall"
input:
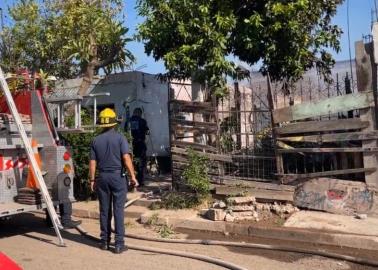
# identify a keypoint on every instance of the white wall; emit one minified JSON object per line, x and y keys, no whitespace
{"x":142,"y":90}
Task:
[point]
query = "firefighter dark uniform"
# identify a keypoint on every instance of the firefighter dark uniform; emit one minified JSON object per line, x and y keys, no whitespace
{"x":139,"y":130}
{"x":107,"y":150}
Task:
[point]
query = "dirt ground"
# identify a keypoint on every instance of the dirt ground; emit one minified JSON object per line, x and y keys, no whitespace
{"x":33,"y":246}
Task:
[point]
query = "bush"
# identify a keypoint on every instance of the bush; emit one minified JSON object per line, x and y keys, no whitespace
{"x":177,"y":200}
{"x":80,"y":149}
{"x":196,"y":179}
{"x":195,"y":175}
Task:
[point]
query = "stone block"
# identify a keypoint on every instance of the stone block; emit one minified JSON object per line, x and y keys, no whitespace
{"x":203,"y":212}
{"x":241,"y":200}
{"x":361,"y":216}
{"x":229,"y":218}
{"x":243,"y":214}
{"x":219,"y":205}
{"x":245,"y":218}
{"x":216,"y":214}
{"x":241,"y":208}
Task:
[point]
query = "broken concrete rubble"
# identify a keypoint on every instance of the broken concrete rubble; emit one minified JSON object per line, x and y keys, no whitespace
{"x":241,"y":208}
{"x":219,"y":205}
{"x":241,"y":200}
{"x":246,"y":208}
{"x":229,"y":218}
{"x":216,"y":214}
{"x":361,"y":216}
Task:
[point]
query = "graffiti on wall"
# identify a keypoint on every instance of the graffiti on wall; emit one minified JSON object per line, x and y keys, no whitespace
{"x":334,"y":196}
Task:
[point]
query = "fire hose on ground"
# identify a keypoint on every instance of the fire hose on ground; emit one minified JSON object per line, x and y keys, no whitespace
{"x":189,"y":255}
{"x":222,"y":263}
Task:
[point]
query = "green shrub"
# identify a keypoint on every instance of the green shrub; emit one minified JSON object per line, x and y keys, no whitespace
{"x":80,"y":149}
{"x":153,"y":220}
{"x":195,"y":175}
{"x":177,"y":200}
{"x":165,"y":231}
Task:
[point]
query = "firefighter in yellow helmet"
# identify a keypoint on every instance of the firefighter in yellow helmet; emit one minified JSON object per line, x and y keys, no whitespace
{"x":109,"y":155}
{"x":107,"y":118}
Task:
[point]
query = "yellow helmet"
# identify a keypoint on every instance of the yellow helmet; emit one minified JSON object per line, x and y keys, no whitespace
{"x":107,"y":118}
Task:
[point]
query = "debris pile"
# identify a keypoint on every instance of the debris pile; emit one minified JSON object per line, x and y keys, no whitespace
{"x":246,"y":208}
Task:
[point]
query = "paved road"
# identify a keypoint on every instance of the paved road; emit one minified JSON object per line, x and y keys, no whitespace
{"x":32,"y":245}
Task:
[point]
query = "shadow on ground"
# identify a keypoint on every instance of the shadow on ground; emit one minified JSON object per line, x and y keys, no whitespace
{"x":28,"y":223}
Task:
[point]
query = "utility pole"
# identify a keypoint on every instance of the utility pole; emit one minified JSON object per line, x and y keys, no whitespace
{"x":2,"y":19}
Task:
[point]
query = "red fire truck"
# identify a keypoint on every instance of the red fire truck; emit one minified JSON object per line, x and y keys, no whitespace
{"x":56,"y":161}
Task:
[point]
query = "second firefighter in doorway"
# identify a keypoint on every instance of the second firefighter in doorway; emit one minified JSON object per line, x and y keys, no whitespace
{"x":139,"y":130}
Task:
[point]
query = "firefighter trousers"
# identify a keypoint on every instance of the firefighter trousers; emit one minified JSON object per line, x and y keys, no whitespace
{"x":112,"y":191}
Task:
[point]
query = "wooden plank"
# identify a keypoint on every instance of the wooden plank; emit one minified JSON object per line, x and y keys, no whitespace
{"x":195,"y":130}
{"x":329,"y":150}
{"x":175,"y":121}
{"x":261,"y":195}
{"x":335,"y":137}
{"x":366,"y":74}
{"x":184,"y":161}
{"x":192,"y":106}
{"x":178,"y":172}
{"x":273,"y":124}
{"x":322,"y":126}
{"x":192,"y":109}
{"x":241,"y":181}
{"x":250,"y":183}
{"x":324,"y":107}
{"x":183,"y":166}
{"x":364,"y":63}
{"x":193,"y":145}
{"x":251,"y":157}
{"x":287,"y":178}
{"x":214,"y":157}
{"x":334,"y":196}
{"x":179,"y":158}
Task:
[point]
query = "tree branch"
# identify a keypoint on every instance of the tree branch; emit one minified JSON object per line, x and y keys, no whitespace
{"x":112,"y":58}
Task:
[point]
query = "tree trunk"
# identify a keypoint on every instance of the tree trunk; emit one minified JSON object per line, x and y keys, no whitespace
{"x":87,"y":79}
{"x":94,"y":65}
{"x":90,"y":69}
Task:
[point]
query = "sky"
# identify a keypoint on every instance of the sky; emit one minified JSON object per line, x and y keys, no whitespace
{"x":360,"y":24}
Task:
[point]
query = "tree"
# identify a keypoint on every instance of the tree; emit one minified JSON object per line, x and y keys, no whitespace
{"x":67,"y":38}
{"x":197,"y":37}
